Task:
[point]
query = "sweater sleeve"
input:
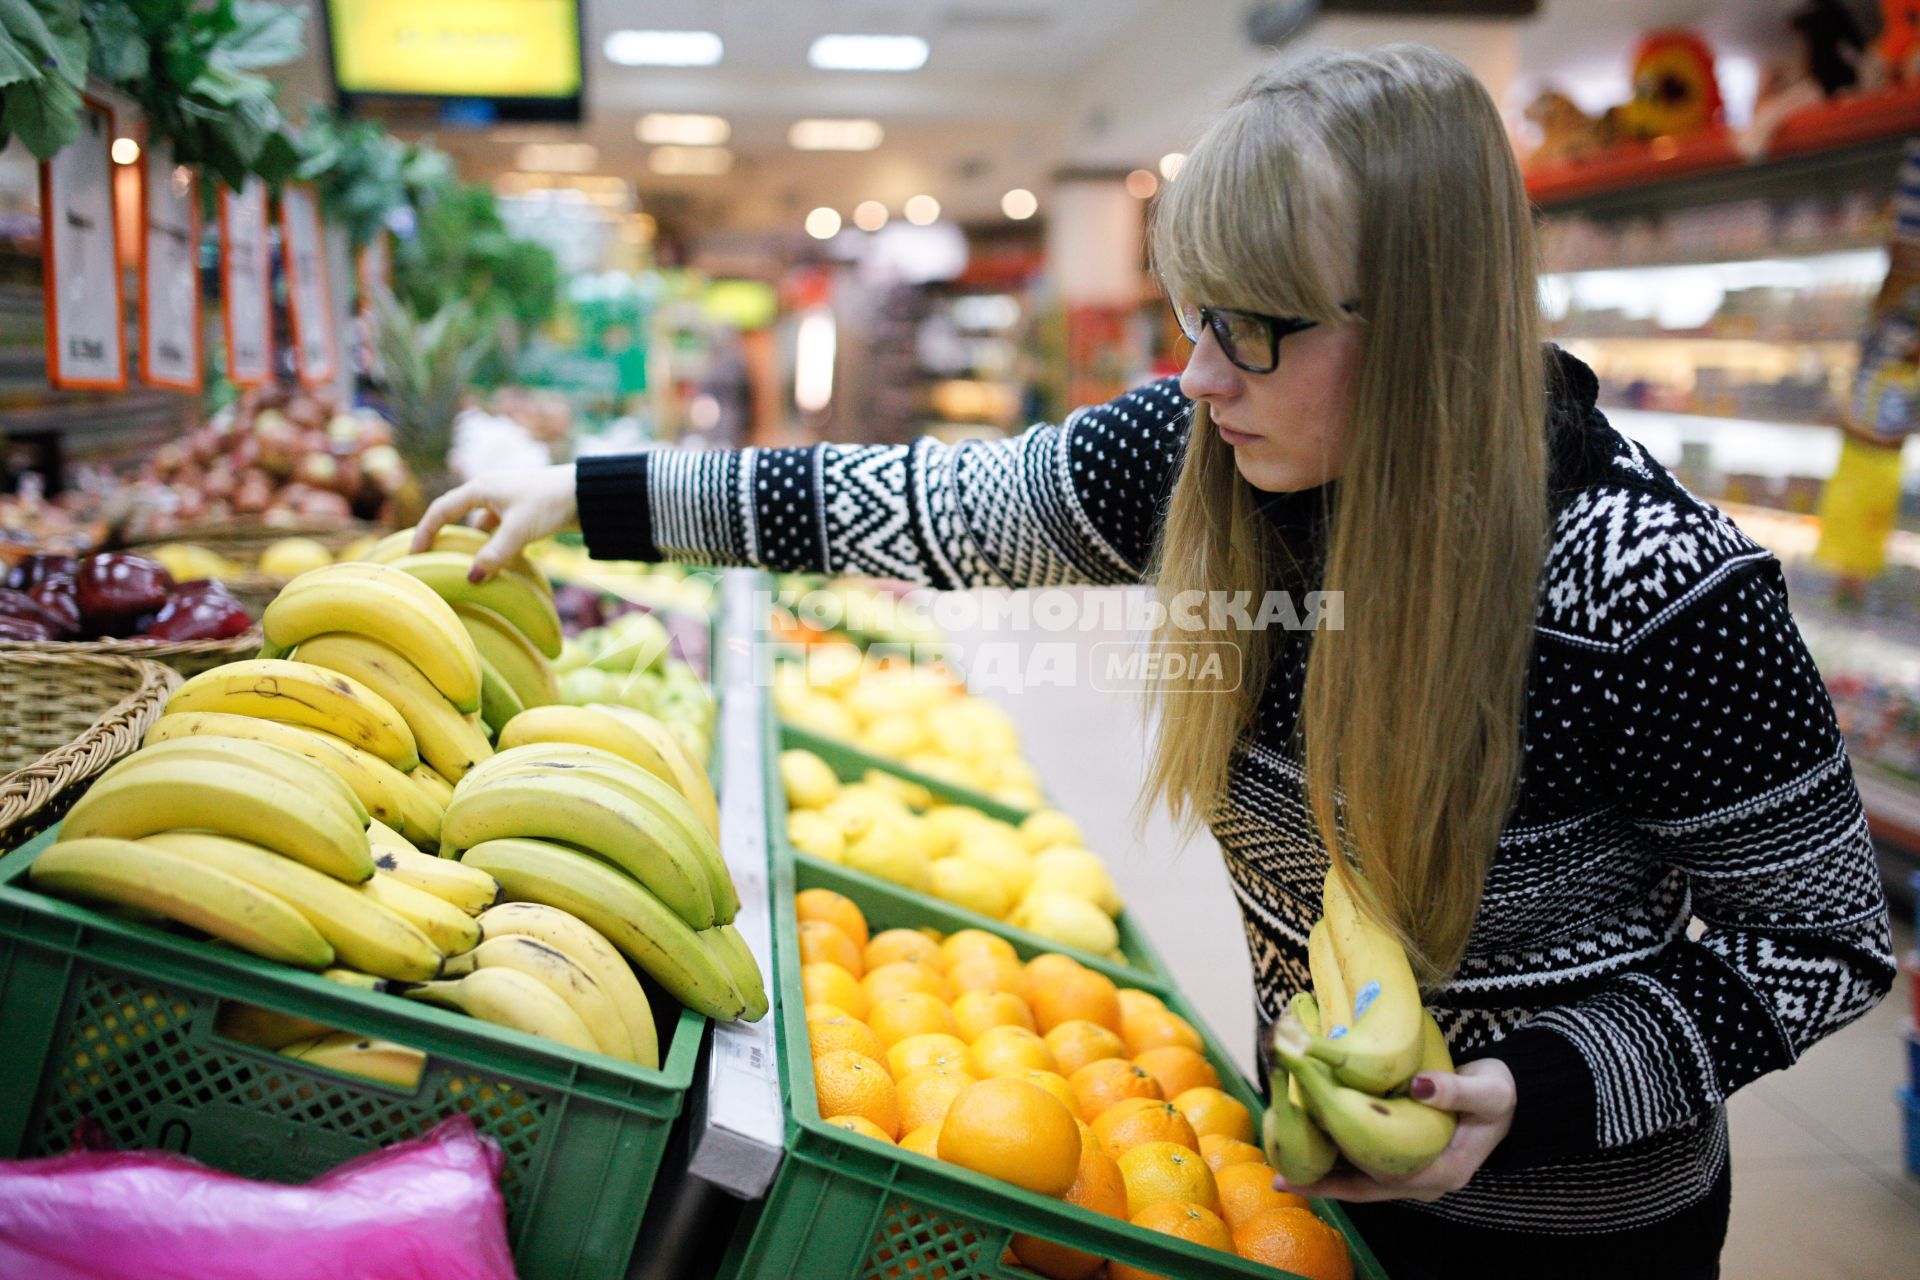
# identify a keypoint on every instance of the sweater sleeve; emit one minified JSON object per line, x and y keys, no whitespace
{"x":1077,"y":503}
{"x":1728,"y":761}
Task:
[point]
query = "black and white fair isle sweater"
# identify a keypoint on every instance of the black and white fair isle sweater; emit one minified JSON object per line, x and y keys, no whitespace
{"x":1681,"y":761}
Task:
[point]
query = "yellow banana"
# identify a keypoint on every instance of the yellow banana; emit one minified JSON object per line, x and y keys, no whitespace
{"x":446,"y":926}
{"x":1382,"y":1048}
{"x":587,"y":727}
{"x":357,"y":980}
{"x":447,"y":742}
{"x":510,"y":596}
{"x":1331,"y":997}
{"x":689,"y":775}
{"x":1294,"y":1143}
{"x":289,"y":766}
{"x":512,"y":655}
{"x":460,"y":886}
{"x":642,"y":927}
{"x":364,"y":934}
{"x":435,"y":787}
{"x":509,"y":998}
{"x":1395,"y":1137}
{"x":733,"y":952}
{"x":381,"y":1061}
{"x":382,"y":789}
{"x":175,"y":795}
{"x":498,"y":701}
{"x":275,"y":689}
{"x":390,"y":606}
{"x":121,"y":871}
{"x":457,"y":537}
{"x":250,"y":1024}
{"x":592,"y":952}
{"x":562,"y":975}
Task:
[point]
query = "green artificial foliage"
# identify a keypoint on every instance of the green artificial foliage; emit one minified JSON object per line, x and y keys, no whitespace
{"x":43,"y":68}
{"x":363,"y":172}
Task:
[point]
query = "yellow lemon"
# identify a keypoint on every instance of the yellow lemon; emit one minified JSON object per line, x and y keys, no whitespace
{"x":968,"y":883}
{"x":809,"y":780}
{"x":1068,"y":920}
{"x":812,"y":832}
{"x":1050,"y":827}
{"x":1077,"y":872}
{"x":881,"y":846}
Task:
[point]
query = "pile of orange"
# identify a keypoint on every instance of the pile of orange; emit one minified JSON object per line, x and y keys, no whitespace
{"x":1048,"y":1076}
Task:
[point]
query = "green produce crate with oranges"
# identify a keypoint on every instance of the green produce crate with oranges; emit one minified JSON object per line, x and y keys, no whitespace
{"x":967,"y":1105}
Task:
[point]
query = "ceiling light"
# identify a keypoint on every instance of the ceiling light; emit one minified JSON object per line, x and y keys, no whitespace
{"x":922,"y":211}
{"x":1018,"y":204}
{"x":868,"y":53}
{"x":663,"y":129}
{"x":1141,"y":184}
{"x":835,"y":135}
{"x":556,"y":157}
{"x":823,"y":224}
{"x":663,"y":48}
{"x":870,"y":215}
{"x":1170,"y":164}
{"x":125,"y":151}
{"x":701,"y":161}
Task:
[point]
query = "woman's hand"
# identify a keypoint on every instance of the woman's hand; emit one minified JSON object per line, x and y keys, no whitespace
{"x":521,"y":506}
{"x":1482,"y":1093}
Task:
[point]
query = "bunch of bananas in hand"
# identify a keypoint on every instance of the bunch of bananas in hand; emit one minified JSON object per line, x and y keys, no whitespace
{"x":1345,"y":1053}
{"x":600,"y":812}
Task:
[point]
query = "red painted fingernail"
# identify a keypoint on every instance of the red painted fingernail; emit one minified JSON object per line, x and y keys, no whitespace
{"x":476,"y":574}
{"x":1422,"y":1087}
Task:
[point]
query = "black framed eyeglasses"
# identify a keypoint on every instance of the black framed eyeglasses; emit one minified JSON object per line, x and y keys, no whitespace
{"x":1248,"y":339}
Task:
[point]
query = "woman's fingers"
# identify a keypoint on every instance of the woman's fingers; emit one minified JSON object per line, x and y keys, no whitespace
{"x":512,"y":536}
{"x":1473,"y":1091}
{"x":446,"y":509}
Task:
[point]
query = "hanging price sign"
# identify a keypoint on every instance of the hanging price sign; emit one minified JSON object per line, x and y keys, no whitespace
{"x":86,"y":331}
{"x":246,"y":304}
{"x":169,"y":272}
{"x":315,"y":344}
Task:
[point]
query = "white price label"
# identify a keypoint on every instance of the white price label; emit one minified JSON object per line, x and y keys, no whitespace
{"x":314,"y":342}
{"x":86,"y":328}
{"x":246,"y":305}
{"x":169,"y":271}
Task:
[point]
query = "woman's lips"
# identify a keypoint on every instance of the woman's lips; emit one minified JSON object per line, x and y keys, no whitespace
{"x":1237,"y":439}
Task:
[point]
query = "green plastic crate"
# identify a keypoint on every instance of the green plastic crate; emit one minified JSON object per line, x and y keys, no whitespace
{"x":845,"y":1207}
{"x":111,"y":1021}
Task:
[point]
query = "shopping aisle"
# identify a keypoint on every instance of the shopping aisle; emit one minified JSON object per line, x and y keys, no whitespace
{"x":1819,"y":1192}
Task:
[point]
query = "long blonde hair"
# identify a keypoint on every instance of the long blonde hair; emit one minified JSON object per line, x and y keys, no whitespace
{"x":1383,"y":178}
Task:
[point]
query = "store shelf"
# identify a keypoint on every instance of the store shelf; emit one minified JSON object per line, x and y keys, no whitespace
{"x":1848,"y":122}
{"x":1710,"y":171}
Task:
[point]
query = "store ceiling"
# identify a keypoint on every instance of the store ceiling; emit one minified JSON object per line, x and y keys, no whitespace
{"x":1012,"y":91}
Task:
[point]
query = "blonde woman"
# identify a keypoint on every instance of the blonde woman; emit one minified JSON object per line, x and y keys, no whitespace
{"x":1567,"y":711}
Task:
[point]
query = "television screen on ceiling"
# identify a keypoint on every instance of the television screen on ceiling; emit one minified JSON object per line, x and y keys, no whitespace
{"x":483,"y":60}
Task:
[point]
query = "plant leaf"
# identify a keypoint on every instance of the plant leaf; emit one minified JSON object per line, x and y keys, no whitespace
{"x":264,"y":35}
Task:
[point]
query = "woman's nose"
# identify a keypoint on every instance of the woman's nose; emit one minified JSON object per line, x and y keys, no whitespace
{"x":1209,"y":375}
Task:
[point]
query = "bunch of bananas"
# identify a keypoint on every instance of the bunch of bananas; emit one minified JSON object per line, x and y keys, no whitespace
{"x":1346,"y":1052}
{"x":600,"y":812}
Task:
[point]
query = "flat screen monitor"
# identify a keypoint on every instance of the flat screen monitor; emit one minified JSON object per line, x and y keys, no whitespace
{"x":483,"y":60}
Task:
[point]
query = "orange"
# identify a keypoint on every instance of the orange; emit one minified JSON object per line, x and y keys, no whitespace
{"x":1152,"y":1028}
{"x":1097,"y":1185}
{"x":1081,"y":996}
{"x":978,"y":1012}
{"x":1219,"y":1151}
{"x":860,"y":1125}
{"x":1100,"y":1084}
{"x":1054,"y":1083}
{"x":822,"y":941}
{"x":924,"y":1141}
{"x":1166,"y":1171}
{"x":1209,"y":1110}
{"x":989,"y":973}
{"x":1049,"y":965}
{"x":910,"y":945}
{"x":1186,"y":1221}
{"x":830,"y":984}
{"x":1132,"y":1121}
{"x":1134,"y":1002}
{"x":1014,"y":1131}
{"x":1247,"y":1189}
{"x":1076,"y":1043}
{"x":850,"y":1084}
{"x":904,"y":975}
{"x":925,"y":1095}
{"x":932,"y":1049}
{"x":836,"y":909}
{"x":911,"y":1013}
{"x":830,"y":1027}
{"x":1004,"y":1051}
{"x":1177,"y":1068}
{"x":975,"y":942}
{"x":1294,"y":1240}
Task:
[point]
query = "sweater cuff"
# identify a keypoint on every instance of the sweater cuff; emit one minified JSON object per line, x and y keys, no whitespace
{"x":616,"y":511}
{"x":1556,"y":1112}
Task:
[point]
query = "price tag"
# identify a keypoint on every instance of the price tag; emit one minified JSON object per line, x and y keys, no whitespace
{"x":169,"y":271}
{"x":86,"y":331}
{"x":315,"y":345}
{"x":245,"y":304}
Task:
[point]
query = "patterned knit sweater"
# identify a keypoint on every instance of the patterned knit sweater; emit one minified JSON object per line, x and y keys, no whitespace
{"x":1681,"y":760}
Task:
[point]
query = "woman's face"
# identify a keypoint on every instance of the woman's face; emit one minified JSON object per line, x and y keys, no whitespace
{"x":1288,"y":428}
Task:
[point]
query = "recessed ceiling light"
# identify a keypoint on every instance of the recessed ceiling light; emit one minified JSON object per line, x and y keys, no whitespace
{"x":868,"y":53}
{"x":125,"y":151}
{"x":663,"y":48}
{"x":658,"y":128}
{"x":922,"y":211}
{"x":557,"y":157}
{"x":1141,"y":184}
{"x":698,"y":161}
{"x":1170,"y":164}
{"x":870,"y":215}
{"x":823,"y":224}
{"x":835,"y":135}
{"x":1019,"y":204}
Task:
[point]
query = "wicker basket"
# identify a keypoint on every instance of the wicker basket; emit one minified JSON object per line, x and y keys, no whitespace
{"x":188,"y":657}
{"x":64,"y":718}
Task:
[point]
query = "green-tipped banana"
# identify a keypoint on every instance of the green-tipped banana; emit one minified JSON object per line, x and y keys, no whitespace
{"x":457,"y":537}
{"x":290,"y":767}
{"x":364,"y":934}
{"x":1294,"y":1143}
{"x":446,"y":740}
{"x":564,"y":976}
{"x":1381,"y":1048}
{"x":509,"y":595}
{"x":499,"y":702}
{"x":212,"y":901}
{"x":725,"y":941}
{"x":512,"y":655}
{"x":592,"y":952}
{"x":357,"y":980}
{"x":1396,"y":1137}
{"x":276,"y":689}
{"x":453,"y":882}
{"x":643,"y":928}
{"x":509,"y":998}
{"x":447,"y":926}
{"x":1333,"y":1001}
{"x":381,"y":1061}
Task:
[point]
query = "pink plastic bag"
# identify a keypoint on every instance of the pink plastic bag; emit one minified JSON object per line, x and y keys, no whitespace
{"x":429,"y":1209}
